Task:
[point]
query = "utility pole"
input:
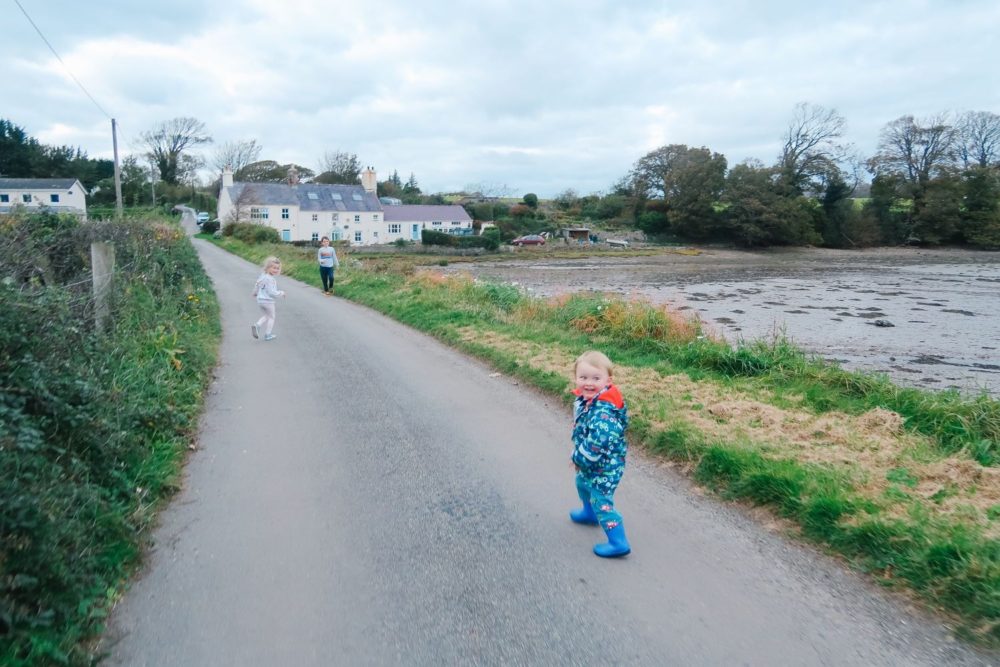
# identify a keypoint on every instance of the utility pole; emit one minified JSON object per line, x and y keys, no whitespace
{"x":152,"y":181}
{"x":118,"y":172}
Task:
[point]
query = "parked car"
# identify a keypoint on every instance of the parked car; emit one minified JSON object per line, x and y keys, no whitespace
{"x":203,"y":217}
{"x":529,"y":239}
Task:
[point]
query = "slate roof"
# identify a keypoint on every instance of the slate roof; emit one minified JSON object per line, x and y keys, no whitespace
{"x":324,"y":197}
{"x":37,"y":183}
{"x":426,"y":213}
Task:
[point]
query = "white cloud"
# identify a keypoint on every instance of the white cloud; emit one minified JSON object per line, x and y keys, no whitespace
{"x":540,"y":96}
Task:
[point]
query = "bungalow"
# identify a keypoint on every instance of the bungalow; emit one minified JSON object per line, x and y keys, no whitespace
{"x":61,"y":195}
{"x":407,"y":221}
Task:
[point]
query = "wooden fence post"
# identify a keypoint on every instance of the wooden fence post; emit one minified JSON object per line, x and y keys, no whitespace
{"x":102,"y":261}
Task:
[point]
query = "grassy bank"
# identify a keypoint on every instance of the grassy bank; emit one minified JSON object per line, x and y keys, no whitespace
{"x":903,"y":483}
{"x":94,"y":425}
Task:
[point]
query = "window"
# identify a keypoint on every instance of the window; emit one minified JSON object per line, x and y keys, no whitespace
{"x":335,"y":234}
{"x":357,"y":237}
{"x":54,"y":198}
{"x":258,"y":213}
{"x":375,"y":217}
{"x":357,"y":218}
{"x":395,"y":228}
{"x":315,"y":217}
{"x":336,"y":196}
{"x":375,"y":235}
{"x":26,"y":199}
{"x":284,"y":214}
{"x":436,"y":223}
{"x":455,"y":223}
{"x":4,"y":199}
{"x":315,"y":236}
{"x":335,"y":217}
{"x":313,"y":196}
{"x":356,"y":197}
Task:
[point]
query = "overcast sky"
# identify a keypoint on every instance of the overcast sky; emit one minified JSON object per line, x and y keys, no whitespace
{"x":538,"y":96}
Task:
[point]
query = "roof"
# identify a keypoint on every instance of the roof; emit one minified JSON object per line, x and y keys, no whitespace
{"x":38,"y":183}
{"x":307,"y":196}
{"x":426,"y":213}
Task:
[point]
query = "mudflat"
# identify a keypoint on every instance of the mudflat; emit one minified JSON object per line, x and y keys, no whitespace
{"x":927,"y":318}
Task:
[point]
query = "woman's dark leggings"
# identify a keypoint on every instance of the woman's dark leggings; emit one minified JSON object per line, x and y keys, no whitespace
{"x":326,"y":274}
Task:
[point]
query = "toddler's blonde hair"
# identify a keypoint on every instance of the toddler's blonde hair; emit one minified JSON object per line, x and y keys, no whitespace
{"x":271,"y":261}
{"x":595,"y":359}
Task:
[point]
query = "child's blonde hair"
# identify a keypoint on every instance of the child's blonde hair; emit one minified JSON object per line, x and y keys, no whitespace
{"x":595,"y":359}
{"x":271,"y":261}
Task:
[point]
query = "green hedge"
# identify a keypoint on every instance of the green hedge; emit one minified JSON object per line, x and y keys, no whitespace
{"x":93,"y":426}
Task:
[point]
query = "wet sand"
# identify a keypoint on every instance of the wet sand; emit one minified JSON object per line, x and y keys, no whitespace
{"x":927,"y":318}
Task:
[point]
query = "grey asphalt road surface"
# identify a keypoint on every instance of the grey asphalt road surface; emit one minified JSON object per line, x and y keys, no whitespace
{"x":363,"y":495}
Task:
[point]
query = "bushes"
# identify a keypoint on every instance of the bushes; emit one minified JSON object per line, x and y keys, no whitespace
{"x":251,"y":233}
{"x":92,"y":427}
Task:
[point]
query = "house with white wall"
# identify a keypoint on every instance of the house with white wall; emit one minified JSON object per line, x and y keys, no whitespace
{"x":305,"y":211}
{"x":60,"y":195}
{"x":310,"y":211}
{"x":407,"y":221}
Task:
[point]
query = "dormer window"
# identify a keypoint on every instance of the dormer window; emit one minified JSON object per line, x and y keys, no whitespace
{"x":356,"y":197}
{"x":313,"y":196}
{"x":336,"y":196}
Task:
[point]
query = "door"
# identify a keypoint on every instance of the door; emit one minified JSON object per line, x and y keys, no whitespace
{"x":415,"y":232}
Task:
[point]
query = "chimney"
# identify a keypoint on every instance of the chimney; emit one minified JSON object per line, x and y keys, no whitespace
{"x":227,"y":177}
{"x":368,"y":181}
{"x":293,"y":175}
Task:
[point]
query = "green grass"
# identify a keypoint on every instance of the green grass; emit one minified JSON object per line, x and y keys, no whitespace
{"x":951,"y":560}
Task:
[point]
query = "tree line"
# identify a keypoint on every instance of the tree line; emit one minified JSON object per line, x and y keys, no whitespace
{"x":934,"y":181}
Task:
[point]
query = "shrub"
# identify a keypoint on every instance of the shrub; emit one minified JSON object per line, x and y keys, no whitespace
{"x":430,"y":237}
{"x":210,"y":227}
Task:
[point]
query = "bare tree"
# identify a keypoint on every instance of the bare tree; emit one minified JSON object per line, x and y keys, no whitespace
{"x":812,"y":149}
{"x":916,"y":151}
{"x":979,"y":139}
{"x":339,"y":167}
{"x":245,"y":197}
{"x":166,"y":143}
{"x":236,"y":155}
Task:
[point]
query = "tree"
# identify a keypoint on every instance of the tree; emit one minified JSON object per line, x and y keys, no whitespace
{"x":981,"y":214}
{"x":166,"y":144}
{"x":339,"y":167}
{"x":913,"y":154}
{"x":979,"y":139}
{"x":236,"y":155}
{"x":531,"y":199}
{"x":759,"y":213}
{"x":689,"y":181}
{"x":269,"y":171}
{"x":812,"y":149}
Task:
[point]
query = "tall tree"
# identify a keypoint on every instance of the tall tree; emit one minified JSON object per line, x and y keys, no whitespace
{"x":339,"y":167}
{"x":689,"y":181}
{"x":759,"y":213}
{"x":979,"y":139}
{"x":236,"y":155}
{"x":20,"y":154}
{"x":913,"y":154}
{"x":812,"y":149}
{"x":166,"y":143}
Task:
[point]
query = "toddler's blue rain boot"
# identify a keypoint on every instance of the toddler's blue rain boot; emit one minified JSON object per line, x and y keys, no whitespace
{"x":617,"y":544}
{"x":584,"y":515}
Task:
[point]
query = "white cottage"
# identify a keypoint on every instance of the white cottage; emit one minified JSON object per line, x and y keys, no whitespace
{"x":406,"y":221}
{"x":305,"y":211}
{"x":60,"y":195}
{"x":309,"y":211}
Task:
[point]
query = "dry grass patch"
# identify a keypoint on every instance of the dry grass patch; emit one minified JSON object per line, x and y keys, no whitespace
{"x":867,"y":448}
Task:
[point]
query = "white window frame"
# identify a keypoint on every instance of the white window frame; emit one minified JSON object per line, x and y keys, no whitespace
{"x":395,"y":228}
{"x":357,"y":218}
{"x":285,"y":215}
{"x":259,"y":213}
{"x":4,"y":199}
{"x":358,"y":237}
{"x":315,"y":236}
{"x":375,"y":217}
{"x":315,"y":217}
{"x":53,"y":198}
{"x":26,"y":199}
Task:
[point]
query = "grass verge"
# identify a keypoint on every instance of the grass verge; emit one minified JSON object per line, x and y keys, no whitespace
{"x":94,"y":424}
{"x":901,"y":482}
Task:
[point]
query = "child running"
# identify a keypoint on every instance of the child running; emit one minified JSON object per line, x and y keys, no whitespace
{"x":599,"y":448}
{"x":266,"y":289}
{"x":328,"y":262}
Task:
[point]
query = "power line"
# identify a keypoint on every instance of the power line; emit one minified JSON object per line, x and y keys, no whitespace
{"x":85,"y":91}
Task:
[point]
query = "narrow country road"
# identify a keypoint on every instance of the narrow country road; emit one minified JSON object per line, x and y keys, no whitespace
{"x":362,"y":495}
